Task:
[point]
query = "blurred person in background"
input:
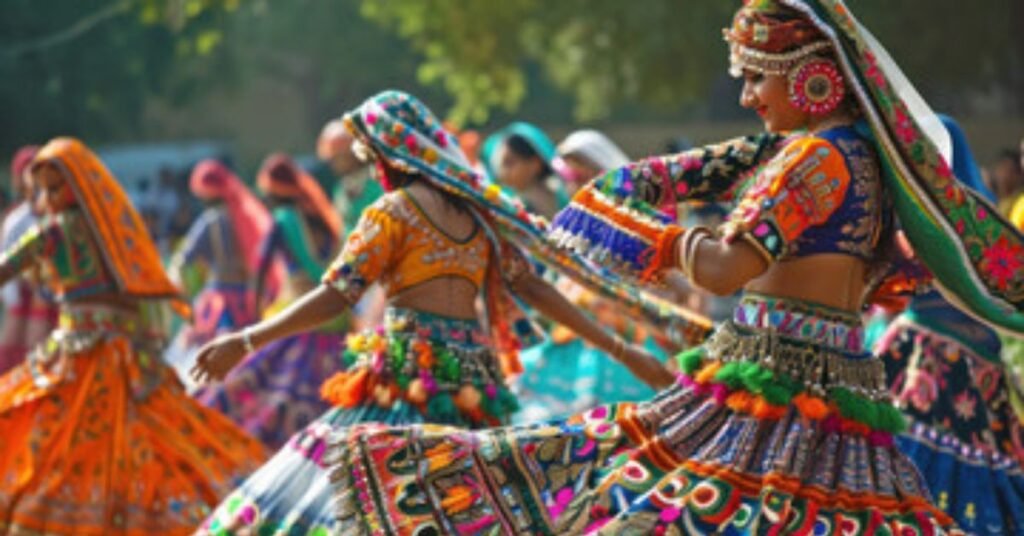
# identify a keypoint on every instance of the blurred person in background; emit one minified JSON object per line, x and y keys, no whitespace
{"x":564,"y":374}
{"x":356,"y":187}
{"x":276,"y":391}
{"x":520,"y":156}
{"x":99,"y":437}
{"x":583,"y":155}
{"x":218,"y":253}
{"x":29,"y":316}
{"x":945,"y":373}
{"x":1007,"y":178}
{"x":356,"y":190}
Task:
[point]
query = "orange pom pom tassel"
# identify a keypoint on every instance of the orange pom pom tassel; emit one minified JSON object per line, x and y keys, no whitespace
{"x":346,"y":389}
{"x":811,"y":407}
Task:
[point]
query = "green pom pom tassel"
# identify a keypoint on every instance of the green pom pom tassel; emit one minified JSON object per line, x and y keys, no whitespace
{"x":506,"y":401}
{"x":777,"y":394}
{"x":891,"y":420}
{"x":689,"y":361}
{"x":729,"y":374}
{"x":755,"y":378}
{"x":442,"y":407}
{"x":348,"y":357}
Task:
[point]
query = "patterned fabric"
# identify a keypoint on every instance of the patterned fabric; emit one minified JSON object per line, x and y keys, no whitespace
{"x":442,"y":366}
{"x":967,"y":440}
{"x":74,"y":262}
{"x":398,"y":129}
{"x":99,"y":437}
{"x":397,"y":245}
{"x":129,"y":256}
{"x":420,"y":368}
{"x":290,"y":494}
{"x":733,"y":448}
{"x":982,"y":490}
{"x":275,"y":392}
{"x":821,"y":194}
{"x":976,"y":254}
{"x":617,"y":218}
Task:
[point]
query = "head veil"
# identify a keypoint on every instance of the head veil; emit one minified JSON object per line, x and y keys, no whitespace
{"x":976,"y":256}
{"x":128,"y":251}
{"x":250,"y":220}
{"x":399,"y":129}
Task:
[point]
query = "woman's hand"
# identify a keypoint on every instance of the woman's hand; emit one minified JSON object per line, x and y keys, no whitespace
{"x":217,"y":358}
{"x":645,"y":366}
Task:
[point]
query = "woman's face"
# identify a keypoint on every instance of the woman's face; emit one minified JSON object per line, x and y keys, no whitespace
{"x":54,"y":194}
{"x":768,"y":95}
{"x":517,"y":172}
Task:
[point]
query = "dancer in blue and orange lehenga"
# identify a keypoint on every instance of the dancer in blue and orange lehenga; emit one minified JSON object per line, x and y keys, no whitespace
{"x":276,"y":391}
{"x":781,"y":422}
{"x":432,"y":244}
{"x":98,"y":435}
{"x":945,"y":371}
{"x":215,"y":248}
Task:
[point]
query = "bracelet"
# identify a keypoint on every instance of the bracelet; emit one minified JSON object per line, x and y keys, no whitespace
{"x":690,"y":242}
{"x":247,"y":340}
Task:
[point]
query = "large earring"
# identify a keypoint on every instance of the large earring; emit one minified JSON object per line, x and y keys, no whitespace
{"x":816,"y":86}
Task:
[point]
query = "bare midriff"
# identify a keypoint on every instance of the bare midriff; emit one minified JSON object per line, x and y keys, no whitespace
{"x":453,"y":297}
{"x":830,"y":279}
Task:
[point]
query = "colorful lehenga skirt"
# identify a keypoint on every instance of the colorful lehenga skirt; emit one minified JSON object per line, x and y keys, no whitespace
{"x":967,"y":440}
{"x":98,"y":436}
{"x":25,"y":324}
{"x":778,"y":425}
{"x":218,"y":308}
{"x":416,"y":368}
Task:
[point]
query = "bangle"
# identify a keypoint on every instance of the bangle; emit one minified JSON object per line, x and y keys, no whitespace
{"x":688,"y":251}
{"x":247,"y":340}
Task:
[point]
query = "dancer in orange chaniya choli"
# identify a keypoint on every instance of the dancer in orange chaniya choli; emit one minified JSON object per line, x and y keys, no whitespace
{"x":98,"y":434}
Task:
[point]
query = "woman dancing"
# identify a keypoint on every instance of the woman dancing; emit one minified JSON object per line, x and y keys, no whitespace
{"x":98,"y":435}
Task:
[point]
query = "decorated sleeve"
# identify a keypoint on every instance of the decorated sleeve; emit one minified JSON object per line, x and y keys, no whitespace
{"x":801,"y":187}
{"x":372,"y":247}
{"x":702,"y":173}
{"x":42,"y":240}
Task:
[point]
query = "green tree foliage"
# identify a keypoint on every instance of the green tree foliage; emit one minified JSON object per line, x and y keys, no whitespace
{"x":667,"y":52}
{"x":324,"y":48}
{"x":86,"y":67}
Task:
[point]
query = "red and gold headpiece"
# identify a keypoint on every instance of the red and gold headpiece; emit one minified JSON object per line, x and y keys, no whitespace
{"x":769,"y":39}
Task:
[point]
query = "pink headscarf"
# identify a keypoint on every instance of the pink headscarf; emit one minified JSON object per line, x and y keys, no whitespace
{"x":20,"y":163}
{"x":251,"y":221}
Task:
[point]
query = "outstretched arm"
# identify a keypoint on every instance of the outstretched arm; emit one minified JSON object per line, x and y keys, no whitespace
{"x":41,"y":240}
{"x":310,"y":311}
{"x":370,"y":249}
{"x":550,"y":302}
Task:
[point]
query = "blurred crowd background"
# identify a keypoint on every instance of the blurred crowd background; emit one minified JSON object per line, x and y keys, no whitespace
{"x":158,"y":85}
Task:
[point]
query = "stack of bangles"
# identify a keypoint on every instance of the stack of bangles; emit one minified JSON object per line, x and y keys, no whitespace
{"x":686,"y":249}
